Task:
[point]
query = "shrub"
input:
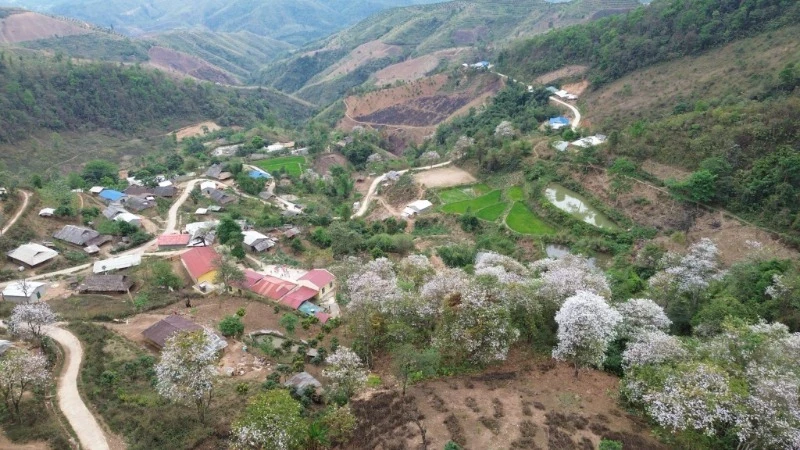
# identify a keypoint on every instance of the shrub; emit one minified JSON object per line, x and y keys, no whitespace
{"x":231,"y":326}
{"x":607,"y":444}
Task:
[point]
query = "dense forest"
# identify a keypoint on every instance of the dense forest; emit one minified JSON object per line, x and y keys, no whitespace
{"x":61,"y":95}
{"x":664,"y":30}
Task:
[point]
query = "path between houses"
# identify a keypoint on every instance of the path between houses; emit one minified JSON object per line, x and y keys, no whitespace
{"x":90,"y":434}
{"x":25,"y":197}
{"x":375,"y":183}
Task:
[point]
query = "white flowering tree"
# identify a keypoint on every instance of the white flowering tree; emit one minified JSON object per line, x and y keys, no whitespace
{"x":652,"y":347}
{"x":415,"y":269}
{"x":586,"y":325}
{"x":375,"y":286}
{"x":560,"y":278}
{"x":641,"y":315}
{"x":505,"y":269}
{"x":31,"y":319}
{"x":21,"y":371}
{"x":692,"y":272}
{"x":272,"y":421}
{"x":742,"y":384}
{"x":504,"y":129}
{"x":476,"y":329}
{"x":345,"y":372}
{"x":187,"y":370}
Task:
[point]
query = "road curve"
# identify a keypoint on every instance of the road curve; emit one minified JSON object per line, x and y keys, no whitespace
{"x":575,"y":122}
{"x":25,"y":197}
{"x":375,"y":183}
{"x":90,"y":434}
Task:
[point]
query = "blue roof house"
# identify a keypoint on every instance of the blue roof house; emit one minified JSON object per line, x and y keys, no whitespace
{"x":557,"y":123}
{"x":111,"y":195}
{"x":259,"y":174}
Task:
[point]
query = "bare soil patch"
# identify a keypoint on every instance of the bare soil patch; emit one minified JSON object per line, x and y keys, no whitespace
{"x":577,"y":88}
{"x":183,"y":63}
{"x":664,"y":171}
{"x":30,"y":26}
{"x":518,"y":406}
{"x":651,"y":207}
{"x":564,"y":72}
{"x":416,"y":68}
{"x":361,"y":54}
{"x":196,"y":130}
{"x":444,"y":177}
{"x":324,"y":162}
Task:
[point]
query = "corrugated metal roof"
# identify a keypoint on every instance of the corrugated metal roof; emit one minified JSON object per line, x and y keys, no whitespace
{"x":122,"y":262}
{"x":32,"y":254}
{"x":76,"y":235}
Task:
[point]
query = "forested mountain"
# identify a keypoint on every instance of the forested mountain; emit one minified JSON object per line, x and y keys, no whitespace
{"x":327,"y":69}
{"x":292,"y":21}
{"x":665,"y":30}
{"x":736,"y":130}
{"x":55,"y":94}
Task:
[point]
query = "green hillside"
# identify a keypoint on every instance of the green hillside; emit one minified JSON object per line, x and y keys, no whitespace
{"x":664,"y":30}
{"x":419,"y":30}
{"x":240,"y":53}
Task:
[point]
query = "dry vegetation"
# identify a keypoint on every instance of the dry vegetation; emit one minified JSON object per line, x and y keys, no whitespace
{"x":31,"y":26}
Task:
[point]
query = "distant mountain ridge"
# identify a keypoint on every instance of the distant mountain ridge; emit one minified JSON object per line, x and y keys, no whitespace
{"x":292,"y":21}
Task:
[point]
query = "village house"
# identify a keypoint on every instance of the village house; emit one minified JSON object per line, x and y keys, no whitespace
{"x":221,"y":197}
{"x":173,"y":241}
{"x":202,"y":233}
{"x":321,"y":281}
{"x":312,"y":286}
{"x":158,"y":333}
{"x":47,"y":212}
{"x":24,"y":291}
{"x":416,"y":207}
{"x":119,"y":263}
{"x":32,"y":255}
{"x":217,"y":172}
{"x":110,"y":195}
{"x":81,"y":236}
{"x":200,"y":263}
{"x":106,"y":284}
{"x":557,"y":123}
{"x":257,"y":242}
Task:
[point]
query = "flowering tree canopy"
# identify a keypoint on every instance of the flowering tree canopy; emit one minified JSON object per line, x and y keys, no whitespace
{"x":345,"y":371}
{"x":374,"y":286}
{"x":641,"y":315}
{"x":187,"y":371}
{"x":31,"y":319}
{"x":652,"y":347}
{"x":272,"y":421}
{"x":692,"y":272}
{"x":586,"y":325}
{"x":564,"y":277}
{"x":19,"y":372}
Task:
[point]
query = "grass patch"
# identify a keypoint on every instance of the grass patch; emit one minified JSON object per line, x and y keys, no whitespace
{"x":524,"y":221}
{"x":481,"y":188}
{"x":493,"y":212}
{"x":515,"y":194}
{"x":293,"y":164}
{"x":476,"y":204}
{"x":116,"y":380}
{"x":105,"y":307}
{"x":453,"y":196}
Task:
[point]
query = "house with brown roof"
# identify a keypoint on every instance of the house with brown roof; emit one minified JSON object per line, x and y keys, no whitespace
{"x":158,"y":333}
{"x":106,"y":284}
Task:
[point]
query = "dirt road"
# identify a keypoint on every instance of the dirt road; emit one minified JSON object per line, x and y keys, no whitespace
{"x":374,"y":187}
{"x":90,"y":434}
{"x":25,"y":197}
{"x":577,"y":120}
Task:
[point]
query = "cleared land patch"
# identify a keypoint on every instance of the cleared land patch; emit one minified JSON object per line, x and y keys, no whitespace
{"x":444,"y":177}
{"x":196,"y":130}
{"x":294,"y":164}
{"x":524,"y":221}
{"x":30,"y":26}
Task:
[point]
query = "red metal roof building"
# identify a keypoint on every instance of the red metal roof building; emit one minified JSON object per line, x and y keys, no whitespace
{"x":272,"y":288}
{"x":173,"y":240}
{"x":199,"y":261}
{"x":318,"y":277}
{"x":296,"y":298}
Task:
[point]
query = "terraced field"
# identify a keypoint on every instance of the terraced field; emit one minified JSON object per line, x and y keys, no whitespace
{"x":522,"y":220}
{"x":294,"y":164}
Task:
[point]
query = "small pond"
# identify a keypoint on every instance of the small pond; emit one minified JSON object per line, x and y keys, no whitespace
{"x":599,"y":261}
{"x":577,"y":205}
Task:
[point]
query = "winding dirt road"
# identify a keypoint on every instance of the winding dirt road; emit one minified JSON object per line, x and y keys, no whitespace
{"x":375,"y":183}
{"x":90,"y":434}
{"x":25,"y":197}
{"x":577,"y":120}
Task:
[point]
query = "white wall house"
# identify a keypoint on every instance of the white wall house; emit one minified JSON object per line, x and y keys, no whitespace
{"x":24,"y":291}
